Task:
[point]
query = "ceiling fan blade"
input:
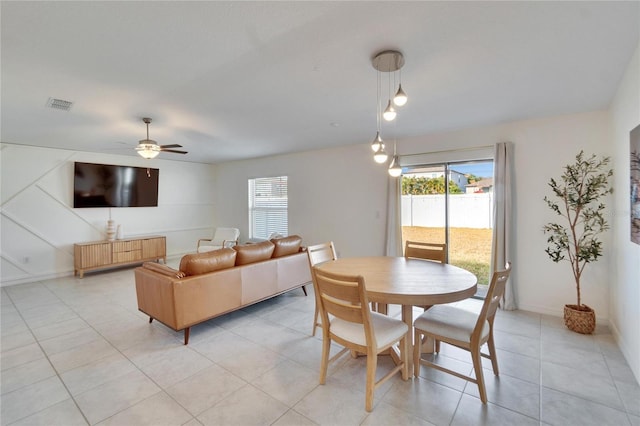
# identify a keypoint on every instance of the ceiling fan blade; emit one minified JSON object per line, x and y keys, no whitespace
{"x":174,"y":151}
{"x":171,"y":146}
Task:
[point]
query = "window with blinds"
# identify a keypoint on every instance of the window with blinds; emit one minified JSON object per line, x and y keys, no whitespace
{"x":268,"y":207}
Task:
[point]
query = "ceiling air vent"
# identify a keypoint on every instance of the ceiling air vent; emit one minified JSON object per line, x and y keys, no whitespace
{"x":59,"y":104}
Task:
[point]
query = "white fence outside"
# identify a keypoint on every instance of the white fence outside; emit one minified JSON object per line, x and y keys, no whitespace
{"x":465,"y":210}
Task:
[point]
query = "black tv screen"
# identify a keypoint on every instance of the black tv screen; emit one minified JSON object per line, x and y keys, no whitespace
{"x":106,"y":185}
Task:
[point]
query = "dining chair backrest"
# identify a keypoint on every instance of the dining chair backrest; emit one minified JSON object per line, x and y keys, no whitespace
{"x":428,"y":251}
{"x":344,"y":297}
{"x":494,"y":296}
{"x":320,"y":253}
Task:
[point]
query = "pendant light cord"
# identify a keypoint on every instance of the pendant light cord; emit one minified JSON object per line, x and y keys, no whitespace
{"x":378,"y":106}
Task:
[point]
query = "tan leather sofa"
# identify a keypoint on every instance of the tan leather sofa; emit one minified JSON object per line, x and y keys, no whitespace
{"x":221,"y":281}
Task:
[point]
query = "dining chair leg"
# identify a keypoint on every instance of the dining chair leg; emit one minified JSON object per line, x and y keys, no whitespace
{"x":324,"y":364}
{"x":477,"y":368}
{"x":437,"y":346}
{"x":372,"y":363}
{"x":315,"y":321}
{"x":416,"y":352}
{"x":492,"y":354}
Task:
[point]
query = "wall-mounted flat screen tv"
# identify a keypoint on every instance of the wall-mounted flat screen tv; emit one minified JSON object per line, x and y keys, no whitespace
{"x":106,"y":185}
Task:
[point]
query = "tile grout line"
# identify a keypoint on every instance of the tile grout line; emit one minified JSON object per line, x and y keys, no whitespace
{"x":161,"y":389}
{"x":46,"y":356}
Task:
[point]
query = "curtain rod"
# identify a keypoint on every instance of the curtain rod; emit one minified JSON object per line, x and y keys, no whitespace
{"x":449,"y":150}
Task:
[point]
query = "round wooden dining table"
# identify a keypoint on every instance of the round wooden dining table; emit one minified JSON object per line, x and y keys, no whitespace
{"x":406,"y":282}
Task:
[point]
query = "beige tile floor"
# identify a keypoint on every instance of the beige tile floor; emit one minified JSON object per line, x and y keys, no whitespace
{"x":77,"y":352}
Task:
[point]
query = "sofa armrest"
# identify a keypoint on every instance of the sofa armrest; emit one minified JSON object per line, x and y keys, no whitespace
{"x":163,"y":269}
{"x":155,"y":295}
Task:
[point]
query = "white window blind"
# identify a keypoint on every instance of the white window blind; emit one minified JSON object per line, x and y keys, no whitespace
{"x":268,"y":205}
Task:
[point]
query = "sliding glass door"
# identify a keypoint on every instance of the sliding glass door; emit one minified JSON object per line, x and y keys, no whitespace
{"x":452,"y":203}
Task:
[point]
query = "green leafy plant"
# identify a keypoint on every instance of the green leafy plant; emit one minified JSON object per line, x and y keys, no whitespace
{"x":579,"y":195}
{"x":427,"y":186}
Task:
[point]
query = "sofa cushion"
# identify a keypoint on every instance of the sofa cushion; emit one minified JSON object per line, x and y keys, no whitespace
{"x":286,"y":245}
{"x":201,"y":263}
{"x":163,"y":269}
{"x":251,"y":253}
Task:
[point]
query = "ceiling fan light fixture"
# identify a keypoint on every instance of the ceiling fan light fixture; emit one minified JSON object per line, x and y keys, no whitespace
{"x":148,"y":150}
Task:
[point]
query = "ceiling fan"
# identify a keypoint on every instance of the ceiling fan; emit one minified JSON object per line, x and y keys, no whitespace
{"x":148,"y":148}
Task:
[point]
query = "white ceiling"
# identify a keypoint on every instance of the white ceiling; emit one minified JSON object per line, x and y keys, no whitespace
{"x":233,"y":80}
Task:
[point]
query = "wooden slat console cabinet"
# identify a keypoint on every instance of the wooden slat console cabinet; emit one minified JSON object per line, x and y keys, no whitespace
{"x":107,"y":254}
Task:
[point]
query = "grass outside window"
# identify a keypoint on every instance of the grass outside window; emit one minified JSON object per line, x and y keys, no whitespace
{"x":469,"y":248}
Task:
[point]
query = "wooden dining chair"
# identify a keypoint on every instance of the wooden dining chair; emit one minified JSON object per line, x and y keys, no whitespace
{"x":319,"y":253}
{"x":427,"y":251}
{"x":463,"y":329}
{"x":355,"y":327}
{"x":434,"y":252}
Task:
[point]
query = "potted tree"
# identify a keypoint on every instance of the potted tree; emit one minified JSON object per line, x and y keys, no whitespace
{"x":578,"y":201}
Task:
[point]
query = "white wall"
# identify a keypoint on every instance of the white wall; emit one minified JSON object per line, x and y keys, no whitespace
{"x":39,"y":224}
{"x":541,"y":148}
{"x":340,"y":195}
{"x":625,"y":271}
{"x":337,"y":194}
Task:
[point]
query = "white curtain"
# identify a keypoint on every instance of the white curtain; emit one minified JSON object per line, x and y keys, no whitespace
{"x":394,"y":227}
{"x":503,"y":245}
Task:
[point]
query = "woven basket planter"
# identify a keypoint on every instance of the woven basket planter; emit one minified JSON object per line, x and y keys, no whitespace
{"x":581,"y":319}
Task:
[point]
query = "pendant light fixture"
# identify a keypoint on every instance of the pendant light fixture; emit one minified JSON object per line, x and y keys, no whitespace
{"x":390,"y":61}
{"x":395,"y":169}
{"x":381,"y":155}
{"x":400,"y":99}
{"x":387,"y":61}
{"x":389,"y":113}
{"x":377,"y":141}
